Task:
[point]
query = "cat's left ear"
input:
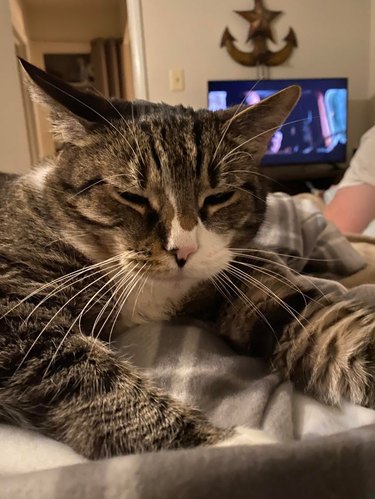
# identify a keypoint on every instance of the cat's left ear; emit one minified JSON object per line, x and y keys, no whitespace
{"x":73,"y":112}
{"x":255,"y":125}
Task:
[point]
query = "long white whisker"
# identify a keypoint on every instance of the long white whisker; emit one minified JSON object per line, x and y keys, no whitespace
{"x":282,"y":265}
{"x":249,"y":193}
{"x":71,"y":282}
{"x":94,"y":110}
{"x":53,"y":318}
{"x":260,"y":135}
{"x":67,"y":334}
{"x":129,"y":286}
{"x":282,"y":278}
{"x":123,"y":119}
{"x":246,"y":300}
{"x":270,"y":252}
{"x":118,"y":286}
{"x":70,"y":275}
{"x":279,"y":277}
{"x":235,"y":115}
{"x":258,"y":284}
{"x":99,"y":293}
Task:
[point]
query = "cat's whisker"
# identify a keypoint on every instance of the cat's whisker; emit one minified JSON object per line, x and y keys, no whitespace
{"x":272,"y":273}
{"x":72,"y":282}
{"x":246,"y":191}
{"x":296,"y":257}
{"x":52,"y":319}
{"x":128,"y":268}
{"x":279,"y":277}
{"x":231,"y":157}
{"x":235,"y":115}
{"x":113,"y":289}
{"x":103,"y":275}
{"x":101,"y":180}
{"x":93,"y":110}
{"x":128,"y":286}
{"x":216,"y":283}
{"x":99,"y":295}
{"x":145,"y":279}
{"x":70,"y":275}
{"x":246,"y":300}
{"x":248,"y":279}
{"x":226,"y":280}
{"x":272,"y":129}
{"x":139,"y":293}
{"x":119,"y":306}
{"x":66,"y":237}
{"x":123,"y":119}
{"x":246,"y":170}
{"x":244,"y":277}
{"x":284,"y":280}
{"x":74,"y":322}
{"x":124,"y":281}
{"x":282,"y":265}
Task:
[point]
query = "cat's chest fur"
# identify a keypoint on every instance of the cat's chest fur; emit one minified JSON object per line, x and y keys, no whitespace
{"x":157,"y":300}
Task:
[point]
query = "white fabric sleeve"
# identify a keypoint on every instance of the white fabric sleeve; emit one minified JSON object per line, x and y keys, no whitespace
{"x":362,"y":167}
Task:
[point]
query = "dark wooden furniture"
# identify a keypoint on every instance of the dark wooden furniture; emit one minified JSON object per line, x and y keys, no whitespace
{"x":294,"y":179}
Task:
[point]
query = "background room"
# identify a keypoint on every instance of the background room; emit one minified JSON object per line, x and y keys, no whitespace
{"x":167,"y":50}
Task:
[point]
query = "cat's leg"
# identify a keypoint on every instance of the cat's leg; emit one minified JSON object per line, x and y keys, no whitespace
{"x":74,"y":389}
{"x":324,"y":343}
{"x":97,"y":404}
{"x":333,"y":354}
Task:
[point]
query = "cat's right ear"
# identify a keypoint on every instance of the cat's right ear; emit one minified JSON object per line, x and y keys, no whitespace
{"x":73,"y":112}
{"x":255,"y":125}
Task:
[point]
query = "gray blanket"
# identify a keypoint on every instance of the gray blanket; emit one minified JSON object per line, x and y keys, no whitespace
{"x":189,"y":361}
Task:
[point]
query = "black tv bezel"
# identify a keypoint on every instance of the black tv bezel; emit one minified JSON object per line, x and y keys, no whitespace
{"x":294,"y":81}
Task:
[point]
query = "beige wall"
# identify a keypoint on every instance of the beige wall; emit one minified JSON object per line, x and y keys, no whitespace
{"x":73,"y":22}
{"x":65,"y":26}
{"x":333,"y":37}
{"x":371,"y":88}
{"x":14,"y":149}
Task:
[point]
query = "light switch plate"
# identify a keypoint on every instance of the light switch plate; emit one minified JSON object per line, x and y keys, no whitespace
{"x":176,"y":80}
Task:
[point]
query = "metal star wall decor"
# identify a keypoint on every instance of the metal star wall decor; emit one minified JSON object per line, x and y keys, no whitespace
{"x":260,"y":19}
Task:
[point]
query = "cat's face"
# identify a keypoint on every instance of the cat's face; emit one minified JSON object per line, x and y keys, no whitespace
{"x":169,"y":189}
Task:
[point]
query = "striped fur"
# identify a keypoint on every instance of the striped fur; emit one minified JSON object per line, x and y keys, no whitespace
{"x":324,"y":343}
{"x":135,"y":217}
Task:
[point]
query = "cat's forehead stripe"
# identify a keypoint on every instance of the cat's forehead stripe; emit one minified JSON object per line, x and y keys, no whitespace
{"x":186,"y":217}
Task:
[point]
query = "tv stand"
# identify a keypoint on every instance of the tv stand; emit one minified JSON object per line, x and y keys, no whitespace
{"x":292,"y":178}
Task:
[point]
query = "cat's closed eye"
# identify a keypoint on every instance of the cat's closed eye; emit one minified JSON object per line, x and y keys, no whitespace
{"x":220,"y":198}
{"x":134,"y":198}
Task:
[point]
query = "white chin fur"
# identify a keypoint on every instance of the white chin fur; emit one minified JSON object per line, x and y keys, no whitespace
{"x":247,"y":436}
{"x":212,"y":256}
{"x":159,"y":297}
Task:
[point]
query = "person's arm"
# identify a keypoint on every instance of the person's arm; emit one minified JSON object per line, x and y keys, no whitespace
{"x":352,"y":208}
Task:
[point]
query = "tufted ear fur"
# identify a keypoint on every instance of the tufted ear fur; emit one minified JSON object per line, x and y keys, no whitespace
{"x":73,"y":112}
{"x":256,"y":124}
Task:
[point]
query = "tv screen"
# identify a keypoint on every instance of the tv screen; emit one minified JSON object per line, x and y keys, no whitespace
{"x":316,"y":129}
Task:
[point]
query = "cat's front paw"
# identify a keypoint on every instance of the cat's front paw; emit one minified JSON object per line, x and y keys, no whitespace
{"x":241,"y":435}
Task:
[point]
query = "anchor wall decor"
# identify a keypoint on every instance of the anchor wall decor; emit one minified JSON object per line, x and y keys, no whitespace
{"x":260,"y":19}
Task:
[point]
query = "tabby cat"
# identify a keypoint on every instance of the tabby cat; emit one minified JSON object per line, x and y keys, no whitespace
{"x":148,"y":211}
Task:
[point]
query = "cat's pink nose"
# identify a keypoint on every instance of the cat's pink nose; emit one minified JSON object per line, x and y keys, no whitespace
{"x":184,"y":252}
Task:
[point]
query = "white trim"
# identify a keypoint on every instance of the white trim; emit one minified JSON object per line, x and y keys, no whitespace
{"x":37,"y":50}
{"x":135,"y":21}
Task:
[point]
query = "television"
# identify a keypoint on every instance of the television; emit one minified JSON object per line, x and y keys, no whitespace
{"x":316,"y":129}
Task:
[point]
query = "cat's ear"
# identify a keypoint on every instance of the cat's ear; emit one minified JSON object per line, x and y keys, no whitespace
{"x":73,"y":112}
{"x":256,"y":124}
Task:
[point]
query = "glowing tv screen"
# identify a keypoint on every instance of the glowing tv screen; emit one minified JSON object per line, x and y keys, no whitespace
{"x":316,"y":129}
